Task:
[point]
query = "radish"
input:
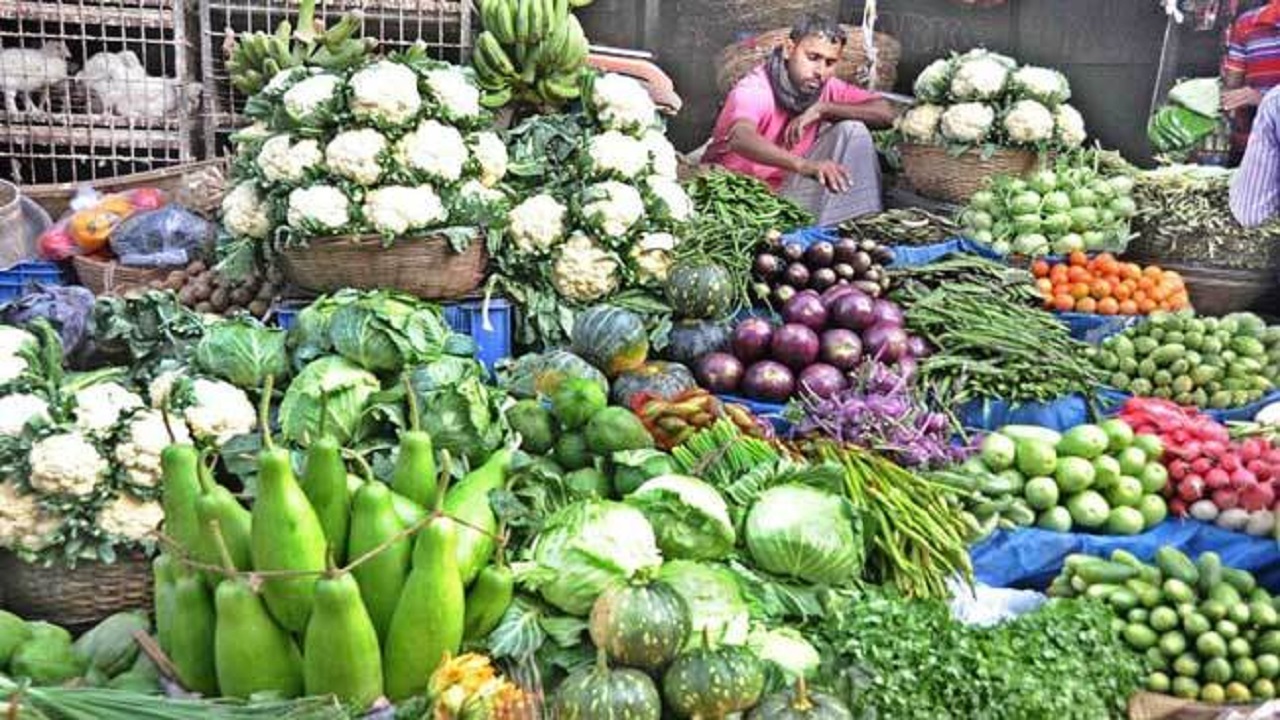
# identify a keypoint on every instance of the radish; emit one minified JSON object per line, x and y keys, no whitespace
{"x":1204,"y":510}
{"x":1251,"y":451}
{"x":1230,"y":462}
{"x":1273,"y":456}
{"x":1214,"y":449}
{"x":1191,"y":489}
{"x":1217,"y":478}
{"x":1257,"y":497}
{"x":1233,"y":519}
{"x":1202,"y":465}
{"x":1179,"y":469}
{"x":1257,"y":466}
{"x":1243,"y":477}
{"x":1225,"y":498}
{"x":1178,"y":507}
{"x":1180,"y":436}
{"x":1261,"y":523}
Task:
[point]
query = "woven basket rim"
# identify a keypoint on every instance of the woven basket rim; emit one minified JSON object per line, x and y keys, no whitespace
{"x":369,"y":239}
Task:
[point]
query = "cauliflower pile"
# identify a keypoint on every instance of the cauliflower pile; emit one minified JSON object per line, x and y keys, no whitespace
{"x":384,"y":148}
{"x":608,"y":215}
{"x":984,"y":98}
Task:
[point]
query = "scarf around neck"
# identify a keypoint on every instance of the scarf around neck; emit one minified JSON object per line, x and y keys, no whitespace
{"x":787,"y":95}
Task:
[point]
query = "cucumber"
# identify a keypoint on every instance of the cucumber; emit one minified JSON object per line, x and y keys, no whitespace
{"x":1127,"y":558}
{"x":1210,"y":568}
{"x":1105,"y":571}
{"x":1140,"y":637}
{"x":1177,"y":591}
{"x":1148,"y":595}
{"x":1101,"y":592}
{"x":1226,"y":594}
{"x":1123,"y":599}
{"x":1241,"y":580}
{"x":1174,"y":564}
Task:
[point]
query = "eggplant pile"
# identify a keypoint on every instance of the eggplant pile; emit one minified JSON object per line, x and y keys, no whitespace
{"x":785,"y":268}
{"x":820,"y":340}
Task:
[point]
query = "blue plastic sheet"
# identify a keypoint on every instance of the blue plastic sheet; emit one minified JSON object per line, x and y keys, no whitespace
{"x":1061,"y":414}
{"x":1109,"y":402}
{"x":917,"y":255}
{"x":1031,"y":557}
{"x":767,"y":411}
{"x":1092,"y":328}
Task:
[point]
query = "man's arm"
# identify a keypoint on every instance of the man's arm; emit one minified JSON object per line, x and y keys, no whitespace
{"x":746,"y":141}
{"x":876,"y":113}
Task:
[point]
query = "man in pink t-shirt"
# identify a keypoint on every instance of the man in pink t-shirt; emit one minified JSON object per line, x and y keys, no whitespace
{"x":790,"y":123}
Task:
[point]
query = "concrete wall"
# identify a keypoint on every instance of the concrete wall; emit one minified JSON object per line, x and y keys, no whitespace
{"x":1110,"y":49}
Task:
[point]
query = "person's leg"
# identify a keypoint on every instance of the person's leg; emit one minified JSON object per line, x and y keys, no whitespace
{"x":849,"y":143}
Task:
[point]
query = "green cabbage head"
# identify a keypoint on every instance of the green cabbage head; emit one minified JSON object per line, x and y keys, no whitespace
{"x":689,"y":517}
{"x":335,"y":388}
{"x":805,"y":533}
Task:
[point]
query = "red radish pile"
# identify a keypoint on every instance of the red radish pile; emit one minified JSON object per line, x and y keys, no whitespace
{"x":1213,"y":478}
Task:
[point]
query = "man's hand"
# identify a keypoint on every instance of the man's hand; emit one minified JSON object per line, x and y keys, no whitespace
{"x":831,"y":174}
{"x":799,"y":123}
{"x":1240,"y":97}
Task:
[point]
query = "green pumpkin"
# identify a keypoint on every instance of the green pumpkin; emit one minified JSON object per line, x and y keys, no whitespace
{"x":662,"y":379}
{"x":800,"y":703}
{"x":699,"y":290}
{"x":601,"y":693}
{"x":540,"y":375}
{"x":611,"y":338}
{"x":641,"y":625}
{"x":708,"y":683}
{"x":691,"y":339}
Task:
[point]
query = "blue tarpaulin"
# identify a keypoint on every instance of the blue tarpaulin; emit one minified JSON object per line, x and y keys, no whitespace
{"x":1110,"y":401}
{"x":903,"y":255}
{"x":768,"y":411}
{"x":1031,"y":557}
{"x":1093,"y":328}
{"x":989,"y":414}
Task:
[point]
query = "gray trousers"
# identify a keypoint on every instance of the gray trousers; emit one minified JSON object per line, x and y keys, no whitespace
{"x":849,"y":143}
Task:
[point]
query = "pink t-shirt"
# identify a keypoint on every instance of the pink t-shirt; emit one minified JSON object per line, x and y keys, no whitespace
{"x":752,"y":99}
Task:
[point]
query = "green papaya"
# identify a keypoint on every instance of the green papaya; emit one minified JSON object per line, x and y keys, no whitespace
{"x":414,"y":475}
{"x":143,"y":677}
{"x":381,"y":577}
{"x":614,"y":429}
{"x":191,"y":635}
{"x":163,"y":588}
{"x":286,"y":535}
{"x":234,"y":521}
{"x":324,"y":480}
{"x":13,"y":632}
{"x":341,"y":656}
{"x":468,"y":501}
{"x":252,"y":652}
{"x":428,"y":622}
{"x":110,"y":646}
{"x":487,"y":601}
{"x":180,"y":487}
{"x":46,"y":658}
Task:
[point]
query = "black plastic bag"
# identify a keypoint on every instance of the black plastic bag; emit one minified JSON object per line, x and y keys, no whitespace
{"x":167,"y":237}
{"x":69,"y":309}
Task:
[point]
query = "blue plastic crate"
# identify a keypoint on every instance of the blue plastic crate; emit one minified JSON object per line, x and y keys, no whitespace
{"x":15,"y":281}
{"x":493,"y":339}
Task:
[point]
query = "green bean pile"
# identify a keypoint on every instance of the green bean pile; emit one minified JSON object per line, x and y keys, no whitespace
{"x":744,"y":202}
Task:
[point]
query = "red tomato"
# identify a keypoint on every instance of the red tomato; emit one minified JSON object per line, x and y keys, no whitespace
{"x":56,"y":244}
{"x":147,"y":198}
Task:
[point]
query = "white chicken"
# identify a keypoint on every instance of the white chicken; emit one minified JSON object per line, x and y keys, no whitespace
{"x":28,"y":70}
{"x":120,"y":85}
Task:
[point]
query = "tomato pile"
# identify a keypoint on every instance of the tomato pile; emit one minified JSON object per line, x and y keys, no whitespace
{"x":1106,"y":286}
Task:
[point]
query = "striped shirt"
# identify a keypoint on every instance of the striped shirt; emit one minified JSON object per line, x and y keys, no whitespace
{"x":1255,"y":189}
{"x":1253,"y":49}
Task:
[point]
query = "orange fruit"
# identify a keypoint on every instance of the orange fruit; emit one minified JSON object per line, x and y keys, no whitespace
{"x":1100,"y":289}
{"x":1064,"y":303}
{"x":1078,"y":258}
{"x":1128,"y":307}
{"x":1132,"y":271}
{"x":1152,"y":271}
{"x":1086,"y":305}
{"x":1080,"y":290}
{"x":1040,"y":268}
{"x":1146,"y":306}
{"x":1045,"y":285}
{"x":1147,"y":284}
{"x":1078,"y":274}
{"x":1121,"y":291}
{"x":1108,"y":306}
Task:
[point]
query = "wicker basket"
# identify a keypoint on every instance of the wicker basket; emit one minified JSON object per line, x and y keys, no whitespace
{"x":425,"y":267}
{"x":109,"y":277}
{"x":198,"y":186}
{"x":740,"y":58}
{"x":78,"y":597}
{"x":936,"y":173}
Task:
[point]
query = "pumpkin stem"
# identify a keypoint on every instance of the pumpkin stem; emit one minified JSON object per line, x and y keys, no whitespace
{"x":706,"y":636}
{"x":802,"y":701}
{"x":602,"y":661}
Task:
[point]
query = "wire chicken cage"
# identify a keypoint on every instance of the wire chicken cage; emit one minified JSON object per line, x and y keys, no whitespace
{"x":95,"y":88}
{"x":443,"y":25}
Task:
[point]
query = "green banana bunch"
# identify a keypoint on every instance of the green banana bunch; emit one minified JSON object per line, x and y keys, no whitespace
{"x":258,"y":56}
{"x":530,"y":51}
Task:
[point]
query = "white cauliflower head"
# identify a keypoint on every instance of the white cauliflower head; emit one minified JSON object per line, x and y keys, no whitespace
{"x":653,"y":257}
{"x":245,"y":213}
{"x":24,"y":525}
{"x":305,"y":98}
{"x":99,"y":407}
{"x":1069,"y":124}
{"x":19,"y":409}
{"x":613,"y":153}
{"x":220,"y":411}
{"x":138,"y":453}
{"x":357,"y":155}
{"x":584,"y":271}
{"x":12,"y":367}
{"x":979,"y":78}
{"x":1028,"y":122}
{"x":614,"y":207}
{"x":319,"y":208}
{"x":934,"y":82}
{"x":967,"y":122}
{"x":537,"y":224}
{"x":66,"y":464}
{"x":1043,"y":85}
{"x":476,"y":191}
{"x":385,"y":93}
{"x":397,"y":209}
{"x":129,"y":518}
{"x":920,"y":123}
{"x":623,"y":103}
{"x":673,"y":201}
{"x":434,"y":149}
{"x":257,"y":131}
{"x":662,"y":154}
{"x":14,"y":340}
{"x":285,"y":79}
{"x":280,"y":160}
{"x":491,"y":155}
{"x":455,"y":93}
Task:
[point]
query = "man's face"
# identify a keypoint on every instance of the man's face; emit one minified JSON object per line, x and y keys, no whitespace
{"x":812,"y":61}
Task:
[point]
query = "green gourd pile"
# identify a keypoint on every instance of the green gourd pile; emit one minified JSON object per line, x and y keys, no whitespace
{"x":266,"y":604}
{"x":107,"y":656}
